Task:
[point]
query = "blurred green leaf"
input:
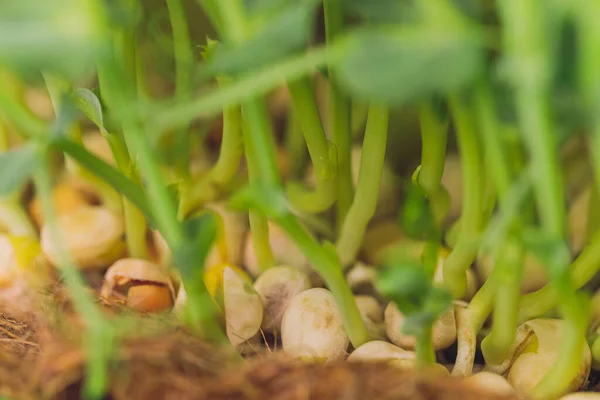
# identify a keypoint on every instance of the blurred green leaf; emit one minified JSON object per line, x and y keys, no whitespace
{"x":416,"y":216}
{"x":281,"y":34}
{"x":16,"y":166}
{"x":435,"y":305}
{"x":90,"y":105}
{"x":382,"y":10}
{"x":406,"y":284}
{"x":43,"y":35}
{"x":401,"y":65}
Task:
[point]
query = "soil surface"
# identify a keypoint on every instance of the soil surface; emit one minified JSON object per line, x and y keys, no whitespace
{"x":41,"y":358}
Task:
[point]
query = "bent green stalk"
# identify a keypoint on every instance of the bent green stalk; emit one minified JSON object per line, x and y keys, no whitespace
{"x":223,"y":172}
{"x":340,"y":116}
{"x":508,"y":260}
{"x":434,"y":137}
{"x":364,"y":203}
{"x":464,"y":252}
{"x":321,"y":152}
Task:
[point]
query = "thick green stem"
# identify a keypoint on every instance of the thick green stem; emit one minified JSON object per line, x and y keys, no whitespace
{"x":340,"y":117}
{"x":321,"y":154}
{"x":369,"y":180}
{"x":464,"y":252}
{"x":506,"y":278}
{"x":508,"y":268}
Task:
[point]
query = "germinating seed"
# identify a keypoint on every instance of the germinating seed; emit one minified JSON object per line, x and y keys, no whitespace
{"x":312,"y":327}
{"x":92,"y":235}
{"x":276,"y":287}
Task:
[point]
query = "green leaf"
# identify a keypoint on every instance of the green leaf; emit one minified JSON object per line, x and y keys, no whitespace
{"x":401,"y":65}
{"x":435,"y":305}
{"x":16,"y":166}
{"x":417,"y":218}
{"x":405,"y":283}
{"x":281,"y":34}
{"x":107,"y":173}
{"x":551,"y":251}
{"x":90,"y":105}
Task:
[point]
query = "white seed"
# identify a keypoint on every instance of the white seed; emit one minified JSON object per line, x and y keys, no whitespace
{"x":444,"y":329}
{"x":491,"y":382}
{"x":285,"y":251}
{"x":369,"y":308}
{"x":276,"y":287}
{"x":92,"y":235}
{"x":361,"y":274}
{"x":531,"y":365}
{"x":243,"y":307}
{"x":378,"y":350}
{"x":372,"y":315}
{"x":312,"y":327}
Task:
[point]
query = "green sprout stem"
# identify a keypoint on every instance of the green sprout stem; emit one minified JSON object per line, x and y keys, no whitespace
{"x":223,"y":172}
{"x":369,"y":179}
{"x":184,"y":61}
{"x":258,"y":222}
{"x":434,"y":136}
{"x":319,"y":148}
{"x":340,"y":117}
{"x":424,"y":350}
{"x":464,"y":253}
{"x":508,"y":268}
{"x":532,"y":91}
